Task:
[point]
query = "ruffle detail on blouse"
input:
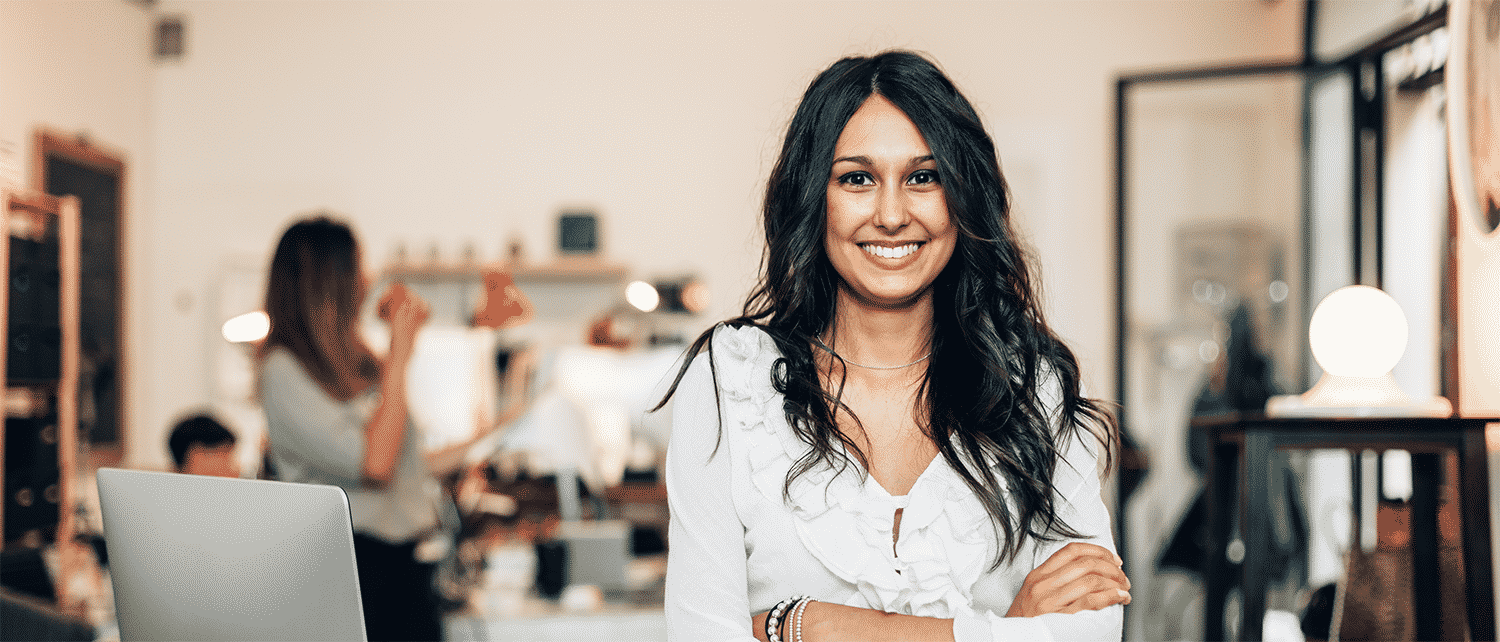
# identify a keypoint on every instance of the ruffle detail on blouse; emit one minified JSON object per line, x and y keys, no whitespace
{"x":845,"y":520}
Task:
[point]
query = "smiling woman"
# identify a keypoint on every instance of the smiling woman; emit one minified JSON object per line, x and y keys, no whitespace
{"x":890,"y":443}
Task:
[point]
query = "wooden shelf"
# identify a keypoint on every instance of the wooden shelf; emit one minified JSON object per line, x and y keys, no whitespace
{"x":41,"y":404}
{"x":569,"y":269}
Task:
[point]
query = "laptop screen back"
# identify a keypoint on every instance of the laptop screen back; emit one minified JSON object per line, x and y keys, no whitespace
{"x":211,"y":558}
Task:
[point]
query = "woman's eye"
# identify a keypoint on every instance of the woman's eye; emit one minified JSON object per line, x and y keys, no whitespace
{"x":857,"y":179}
{"x":923,"y":177}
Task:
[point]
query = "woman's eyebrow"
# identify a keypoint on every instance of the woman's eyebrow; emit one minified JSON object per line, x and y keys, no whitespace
{"x":865,"y":160}
{"x":862,"y":160}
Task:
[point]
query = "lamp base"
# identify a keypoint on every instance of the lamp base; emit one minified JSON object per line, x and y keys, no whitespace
{"x":1336,"y":396}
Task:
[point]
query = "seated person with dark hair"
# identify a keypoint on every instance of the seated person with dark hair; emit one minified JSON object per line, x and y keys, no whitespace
{"x":203,"y":446}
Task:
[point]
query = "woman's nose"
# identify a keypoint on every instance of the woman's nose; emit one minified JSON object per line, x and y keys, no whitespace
{"x":892,"y":211}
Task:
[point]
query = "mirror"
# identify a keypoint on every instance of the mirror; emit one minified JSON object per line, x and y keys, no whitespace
{"x":1213,"y":302}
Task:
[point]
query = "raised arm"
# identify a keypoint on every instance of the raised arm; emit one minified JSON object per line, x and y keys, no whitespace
{"x":384,"y":433}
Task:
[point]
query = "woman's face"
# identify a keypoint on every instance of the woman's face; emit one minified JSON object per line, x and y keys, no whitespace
{"x":889,"y":234}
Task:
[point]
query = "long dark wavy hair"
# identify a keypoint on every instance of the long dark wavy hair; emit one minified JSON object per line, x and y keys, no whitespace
{"x":313,"y":296}
{"x":992,"y":350}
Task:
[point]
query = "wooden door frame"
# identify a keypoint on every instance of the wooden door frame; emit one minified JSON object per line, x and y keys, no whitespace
{"x":78,"y":148}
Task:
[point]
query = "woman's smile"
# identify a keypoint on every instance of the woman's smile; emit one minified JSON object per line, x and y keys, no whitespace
{"x":891,"y":253}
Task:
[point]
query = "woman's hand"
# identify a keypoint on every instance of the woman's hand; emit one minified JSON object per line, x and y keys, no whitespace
{"x":1080,"y":576}
{"x":406,"y":312}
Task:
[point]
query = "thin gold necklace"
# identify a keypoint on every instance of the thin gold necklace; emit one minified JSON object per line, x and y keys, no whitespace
{"x":819,"y":340}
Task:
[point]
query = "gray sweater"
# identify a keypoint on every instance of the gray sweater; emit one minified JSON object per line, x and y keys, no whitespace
{"x":316,"y":439}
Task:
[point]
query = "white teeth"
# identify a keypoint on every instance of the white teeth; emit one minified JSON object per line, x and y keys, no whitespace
{"x":891,"y":252}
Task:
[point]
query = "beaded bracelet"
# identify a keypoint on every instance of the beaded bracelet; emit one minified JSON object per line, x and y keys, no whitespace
{"x":797,"y":618}
{"x":774,"y":618}
{"x":785,"y":619}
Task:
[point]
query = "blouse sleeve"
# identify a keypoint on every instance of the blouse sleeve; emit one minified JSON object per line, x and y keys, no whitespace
{"x":1080,"y":506}
{"x":706,"y":590}
{"x":308,"y":426}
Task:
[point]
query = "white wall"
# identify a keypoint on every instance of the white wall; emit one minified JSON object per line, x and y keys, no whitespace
{"x":85,"y":67}
{"x":453,"y":123}
{"x":1346,"y":25}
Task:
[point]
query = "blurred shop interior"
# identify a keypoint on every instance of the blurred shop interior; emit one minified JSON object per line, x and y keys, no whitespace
{"x":574,"y":188}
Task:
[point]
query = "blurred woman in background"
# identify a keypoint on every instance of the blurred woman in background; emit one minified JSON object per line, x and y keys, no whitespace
{"x":337,"y":414}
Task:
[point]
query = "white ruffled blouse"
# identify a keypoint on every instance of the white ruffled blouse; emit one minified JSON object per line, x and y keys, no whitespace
{"x":736,"y":546}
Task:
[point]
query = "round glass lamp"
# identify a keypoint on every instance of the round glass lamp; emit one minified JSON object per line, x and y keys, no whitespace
{"x":1358,"y":334}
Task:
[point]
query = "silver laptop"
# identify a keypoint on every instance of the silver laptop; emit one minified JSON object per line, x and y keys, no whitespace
{"x":210,"y":558}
